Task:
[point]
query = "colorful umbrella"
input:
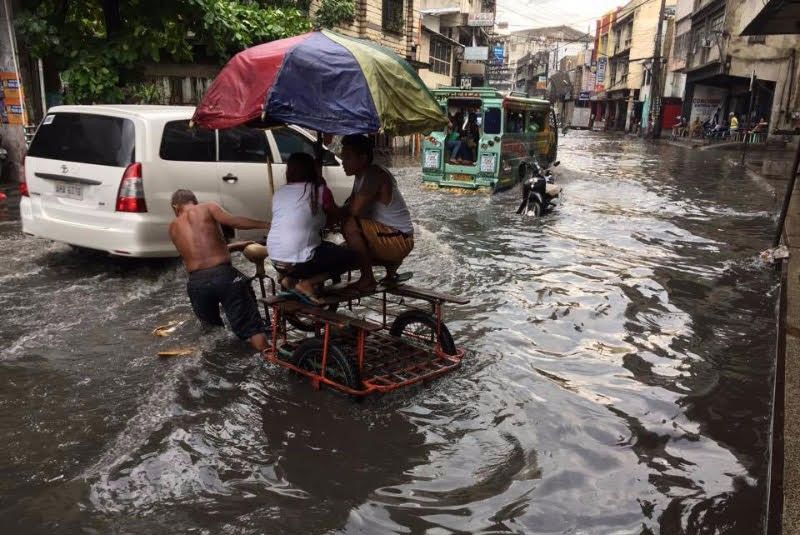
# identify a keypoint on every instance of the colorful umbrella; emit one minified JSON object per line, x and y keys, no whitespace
{"x":323,"y":81}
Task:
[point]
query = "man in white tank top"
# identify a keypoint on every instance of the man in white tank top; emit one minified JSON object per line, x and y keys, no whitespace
{"x":376,"y":221}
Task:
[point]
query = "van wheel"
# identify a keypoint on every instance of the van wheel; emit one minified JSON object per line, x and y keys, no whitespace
{"x":421,"y":326}
{"x":339,"y":368}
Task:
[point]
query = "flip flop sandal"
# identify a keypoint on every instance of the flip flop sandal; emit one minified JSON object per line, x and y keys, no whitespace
{"x":302,"y":297}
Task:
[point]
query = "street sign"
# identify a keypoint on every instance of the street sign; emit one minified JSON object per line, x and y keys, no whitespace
{"x":584,"y":95}
{"x":480,"y":19}
{"x":466,"y":82}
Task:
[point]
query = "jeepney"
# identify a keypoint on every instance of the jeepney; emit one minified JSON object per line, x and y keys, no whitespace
{"x":491,"y":139}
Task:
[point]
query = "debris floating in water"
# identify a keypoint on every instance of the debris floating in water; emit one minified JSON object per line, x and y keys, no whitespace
{"x":177,"y":352}
{"x":169,"y":328}
{"x":771,"y":256}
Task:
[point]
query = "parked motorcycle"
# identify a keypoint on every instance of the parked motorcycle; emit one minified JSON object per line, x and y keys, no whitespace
{"x":538,"y":190}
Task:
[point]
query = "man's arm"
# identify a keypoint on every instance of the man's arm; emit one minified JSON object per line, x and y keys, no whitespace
{"x":242,"y":223}
{"x":368,"y":193}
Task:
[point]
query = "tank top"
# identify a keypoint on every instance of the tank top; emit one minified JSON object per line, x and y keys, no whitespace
{"x":395,"y":214}
{"x":295,"y":231}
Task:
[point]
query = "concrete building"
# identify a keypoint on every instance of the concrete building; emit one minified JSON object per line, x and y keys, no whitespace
{"x":534,"y":54}
{"x":720,"y":63}
{"x":629,"y":47}
{"x":603,"y":49}
{"x":456,"y":41}
{"x":391,"y":23}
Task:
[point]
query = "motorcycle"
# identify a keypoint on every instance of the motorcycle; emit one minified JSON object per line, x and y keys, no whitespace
{"x":538,"y":190}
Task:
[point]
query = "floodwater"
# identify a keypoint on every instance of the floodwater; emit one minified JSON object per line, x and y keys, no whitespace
{"x":617,"y":382}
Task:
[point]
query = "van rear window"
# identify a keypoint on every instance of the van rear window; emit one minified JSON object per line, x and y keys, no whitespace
{"x":85,"y":138}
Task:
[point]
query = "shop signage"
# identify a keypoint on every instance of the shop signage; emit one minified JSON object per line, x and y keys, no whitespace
{"x":499,"y":53}
{"x":476,"y":53}
{"x":601,"y":70}
{"x":480,"y":19}
{"x":584,"y":95}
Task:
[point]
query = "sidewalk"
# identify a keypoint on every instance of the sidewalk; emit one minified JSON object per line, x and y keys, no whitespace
{"x":786,"y":417}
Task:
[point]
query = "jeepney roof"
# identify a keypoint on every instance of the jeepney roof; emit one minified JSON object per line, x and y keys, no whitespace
{"x":488,"y":94}
{"x":528,"y":103}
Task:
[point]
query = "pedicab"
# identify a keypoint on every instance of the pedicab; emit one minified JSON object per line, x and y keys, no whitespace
{"x":355,"y":342}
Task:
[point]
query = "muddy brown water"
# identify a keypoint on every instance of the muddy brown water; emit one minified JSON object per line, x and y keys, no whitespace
{"x":617,"y":382}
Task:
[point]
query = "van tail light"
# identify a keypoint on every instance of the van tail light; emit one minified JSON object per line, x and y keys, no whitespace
{"x":23,"y":185}
{"x":131,"y":190}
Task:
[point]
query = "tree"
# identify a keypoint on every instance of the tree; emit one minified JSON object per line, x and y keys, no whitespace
{"x":99,"y":46}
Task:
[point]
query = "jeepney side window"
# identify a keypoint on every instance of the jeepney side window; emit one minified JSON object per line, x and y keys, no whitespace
{"x":515,"y":122}
{"x":491,"y":121}
{"x":535,"y":122}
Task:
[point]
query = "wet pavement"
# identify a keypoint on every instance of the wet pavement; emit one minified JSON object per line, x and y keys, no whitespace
{"x":617,"y":381}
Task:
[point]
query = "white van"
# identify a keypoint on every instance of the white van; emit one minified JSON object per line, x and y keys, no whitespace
{"x":101,"y":177}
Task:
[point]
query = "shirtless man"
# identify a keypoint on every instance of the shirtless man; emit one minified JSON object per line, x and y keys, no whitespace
{"x":198,"y":237}
{"x":376,"y":221}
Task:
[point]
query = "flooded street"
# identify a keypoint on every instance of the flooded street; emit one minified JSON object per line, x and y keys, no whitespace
{"x":618,"y":376}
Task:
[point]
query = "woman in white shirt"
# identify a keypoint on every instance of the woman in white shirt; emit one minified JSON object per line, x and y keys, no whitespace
{"x":300,"y":210}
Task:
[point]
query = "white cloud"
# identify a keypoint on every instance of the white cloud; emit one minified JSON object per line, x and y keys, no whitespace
{"x":579,"y":14}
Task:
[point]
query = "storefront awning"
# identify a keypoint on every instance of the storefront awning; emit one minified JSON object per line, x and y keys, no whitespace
{"x":778,"y":17}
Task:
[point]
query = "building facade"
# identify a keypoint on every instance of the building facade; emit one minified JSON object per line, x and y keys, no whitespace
{"x":730,"y":73}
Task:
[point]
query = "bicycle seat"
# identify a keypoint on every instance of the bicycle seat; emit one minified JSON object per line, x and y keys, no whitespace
{"x":255,"y":253}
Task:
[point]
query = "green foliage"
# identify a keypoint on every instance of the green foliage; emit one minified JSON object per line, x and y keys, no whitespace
{"x":99,"y":53}
{"x":145,"y":93}
{"x":334,"y":12}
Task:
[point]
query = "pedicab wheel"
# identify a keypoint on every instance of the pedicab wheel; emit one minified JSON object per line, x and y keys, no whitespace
{"x":340,"y":367}
{"x":421,"y":326}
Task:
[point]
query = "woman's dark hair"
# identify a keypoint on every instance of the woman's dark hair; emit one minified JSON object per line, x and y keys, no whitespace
{"x":306,"y":167}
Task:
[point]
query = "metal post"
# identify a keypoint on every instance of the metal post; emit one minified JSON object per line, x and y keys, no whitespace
{"x":749,"y":113}
{"x":787,"y":198}
{"x":655,"y":83}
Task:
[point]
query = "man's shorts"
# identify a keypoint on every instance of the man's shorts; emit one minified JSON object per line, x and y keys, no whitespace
{"x":226,"y":286}
{"x":328,"y":258}
{"x":386,"y":245}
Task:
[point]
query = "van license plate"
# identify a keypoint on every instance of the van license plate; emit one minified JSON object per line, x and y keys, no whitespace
{"x":463,"y":178}
{"x":70,"y":191}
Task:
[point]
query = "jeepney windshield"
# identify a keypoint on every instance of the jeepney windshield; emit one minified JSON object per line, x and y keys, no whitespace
{"x":491,"y":121}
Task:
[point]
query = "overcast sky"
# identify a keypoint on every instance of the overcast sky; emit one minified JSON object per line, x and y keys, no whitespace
{"x":579,"y":14}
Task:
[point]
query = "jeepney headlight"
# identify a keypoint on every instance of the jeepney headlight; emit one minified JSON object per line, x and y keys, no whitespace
{"x":432,"y":159}
{"x":488,"y":162}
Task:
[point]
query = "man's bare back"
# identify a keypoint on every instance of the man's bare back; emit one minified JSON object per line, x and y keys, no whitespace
{"x":198,"y":237}
{"x":197,"y":234}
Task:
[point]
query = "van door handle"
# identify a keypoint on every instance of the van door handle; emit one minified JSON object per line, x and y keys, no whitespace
{"x":230,"y":178}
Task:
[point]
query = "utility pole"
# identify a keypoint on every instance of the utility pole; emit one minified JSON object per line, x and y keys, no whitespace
{"x":655,"y":83}
{"x":746,"y":122}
